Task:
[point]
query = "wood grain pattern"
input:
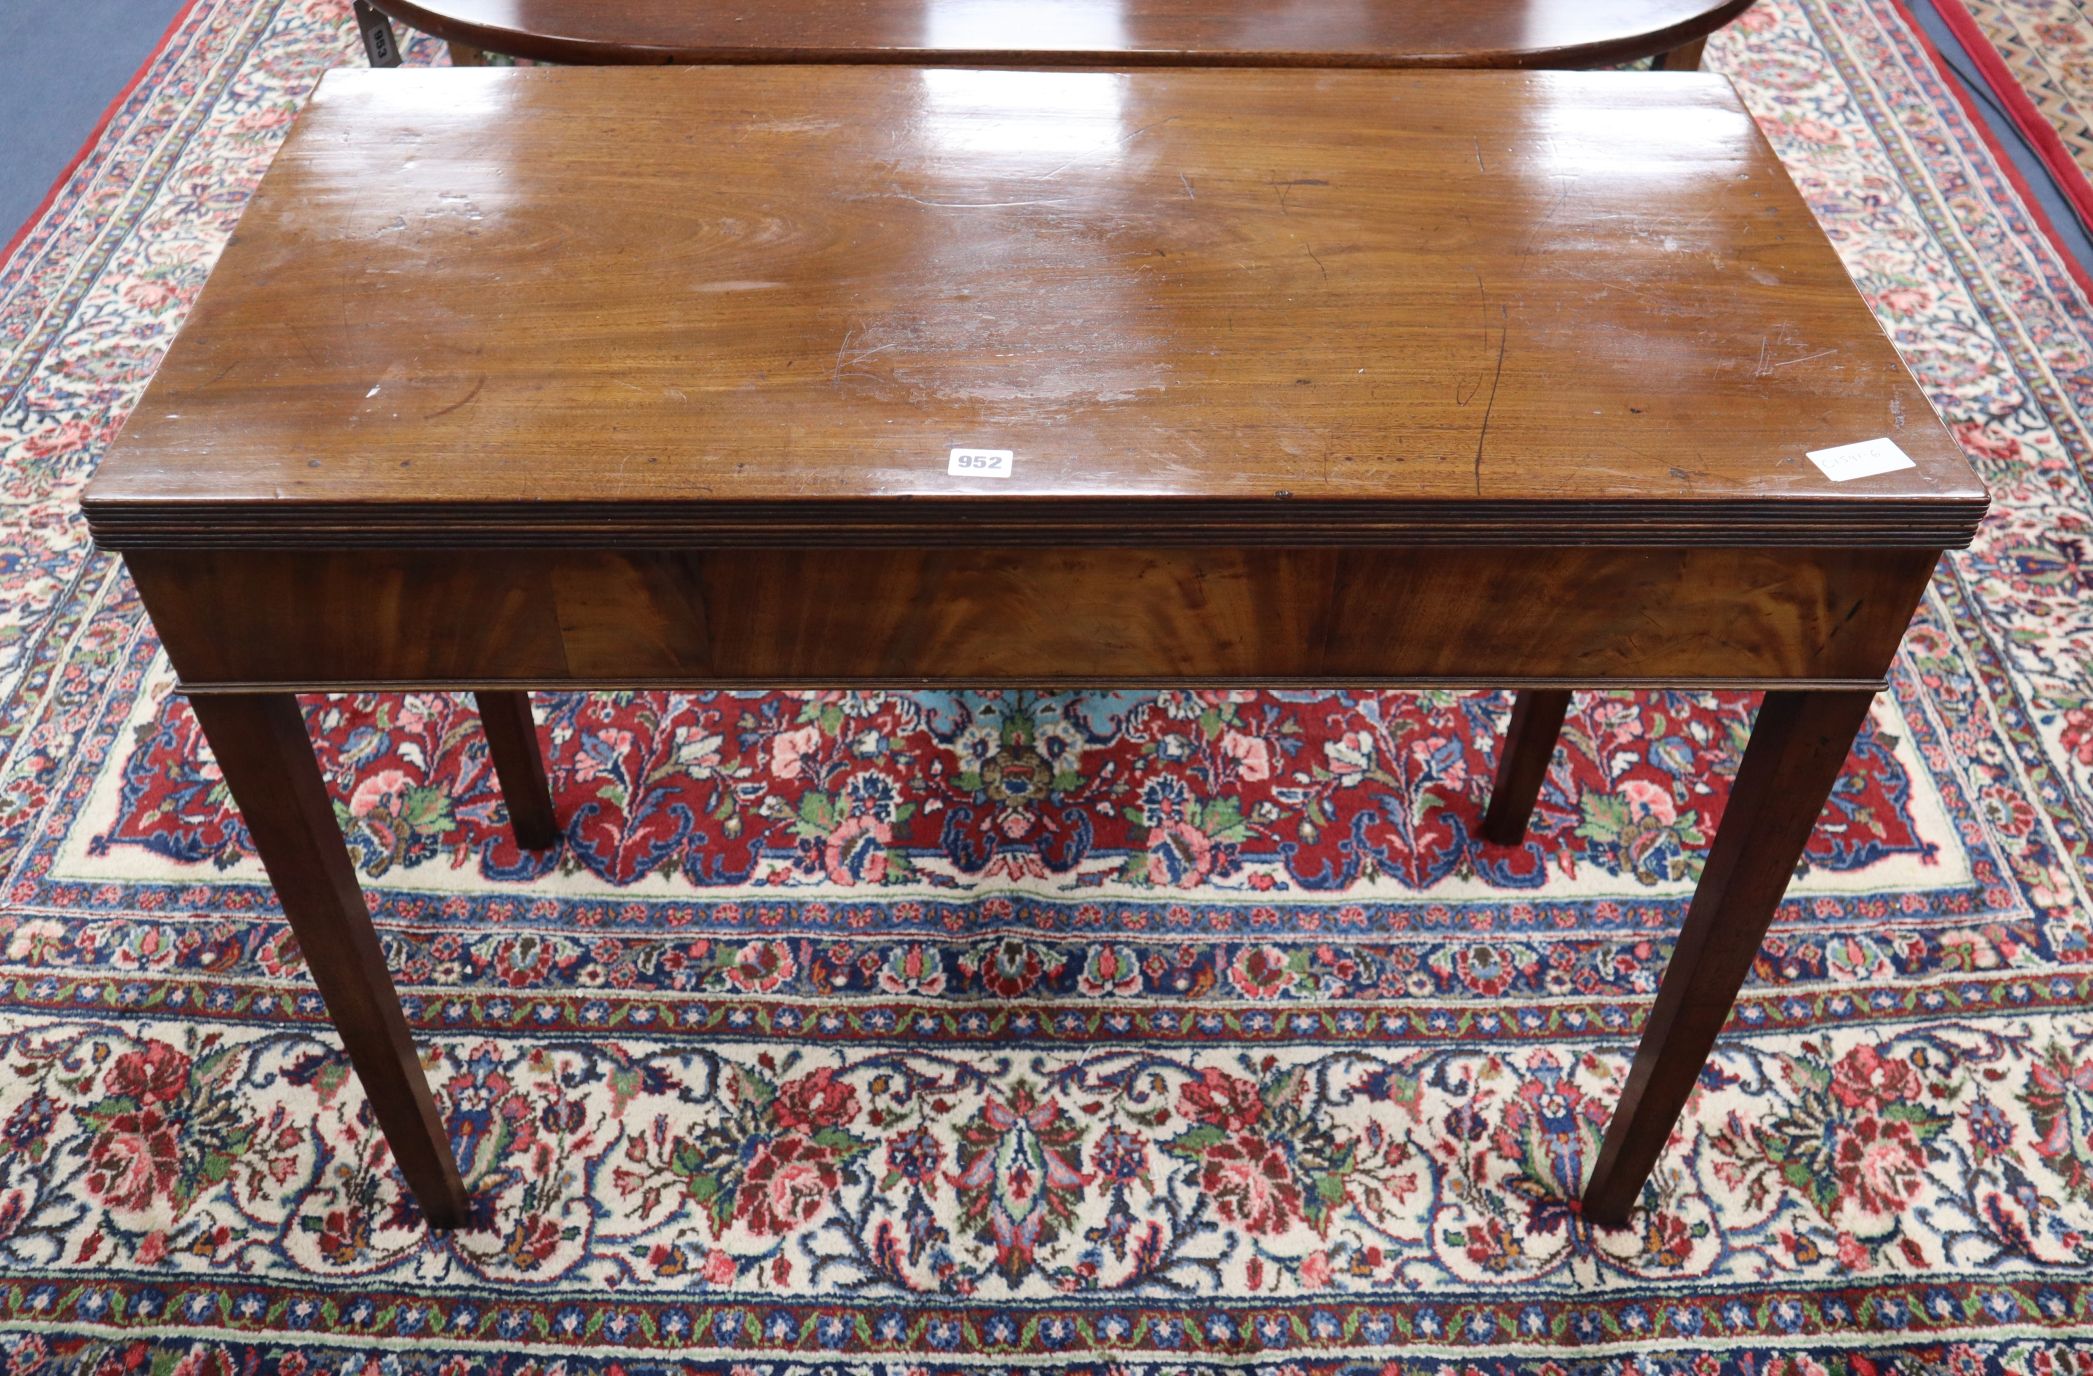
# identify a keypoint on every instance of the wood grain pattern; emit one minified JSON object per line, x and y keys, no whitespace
{"x":760,"y":305}
{"x":1030,"y":616}
{"x":1798,"y":745}
{"x":1042,"y":33}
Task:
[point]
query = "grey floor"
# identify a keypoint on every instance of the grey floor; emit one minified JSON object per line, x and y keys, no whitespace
{"x":61,"y":62}
{"x":2076,"y":239}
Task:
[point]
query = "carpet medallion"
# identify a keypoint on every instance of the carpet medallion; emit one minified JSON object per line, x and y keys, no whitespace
{"x":1056,"y":1030}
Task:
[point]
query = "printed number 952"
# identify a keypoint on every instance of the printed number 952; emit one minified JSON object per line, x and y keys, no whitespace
{"x":980,"y":463}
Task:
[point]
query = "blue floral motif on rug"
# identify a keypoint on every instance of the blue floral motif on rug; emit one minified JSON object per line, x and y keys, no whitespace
{"x":1159,"y":1032}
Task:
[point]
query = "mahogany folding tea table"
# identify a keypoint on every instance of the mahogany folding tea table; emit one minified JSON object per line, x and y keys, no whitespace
{"x":573,"y":378}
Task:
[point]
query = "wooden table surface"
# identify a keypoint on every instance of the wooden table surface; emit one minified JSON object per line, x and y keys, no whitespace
{"x":1039,"y":33}
{"x":763,"y":304}
{"x":610,"y":377}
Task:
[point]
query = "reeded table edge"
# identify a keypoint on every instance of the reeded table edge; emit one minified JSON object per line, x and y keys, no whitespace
{"x":906,"y":683}
{"x":1901,"y":522}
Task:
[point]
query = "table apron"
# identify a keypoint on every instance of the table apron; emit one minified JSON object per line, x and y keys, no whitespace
{"x":337,"y":619}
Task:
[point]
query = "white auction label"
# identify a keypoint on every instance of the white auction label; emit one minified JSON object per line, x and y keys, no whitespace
{"x":981,"y":463}
{"x":1863,"y":460}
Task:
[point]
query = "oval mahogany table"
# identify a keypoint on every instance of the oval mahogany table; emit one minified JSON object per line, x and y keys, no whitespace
{"x":1063,"y":33}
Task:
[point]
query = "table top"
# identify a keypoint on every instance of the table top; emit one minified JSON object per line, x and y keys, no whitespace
{"x":1035,"y":33}
{"x":764,"y":304}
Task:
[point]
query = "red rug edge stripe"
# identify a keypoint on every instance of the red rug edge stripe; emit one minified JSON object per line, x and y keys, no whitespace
{"x":1948,"y":9}
{"x":101,"y":126}
{"x":2039,"y":132}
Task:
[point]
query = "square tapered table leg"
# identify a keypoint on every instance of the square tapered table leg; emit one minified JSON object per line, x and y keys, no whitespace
{"x":519,"y":766}
{"x":1798,"y":745}
{"x":1522,"y":766}
{"x":260,"y":742}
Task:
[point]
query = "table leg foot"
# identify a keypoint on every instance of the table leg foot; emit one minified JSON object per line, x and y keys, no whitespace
{"x":465,"y":55}
{"x":260,"y":743}
{"x":380,"y":45}
{"x":1684,"y":58}
{"x":512,"y":742}
{"x":1529,"y":744}
{"x":1798,"y":745}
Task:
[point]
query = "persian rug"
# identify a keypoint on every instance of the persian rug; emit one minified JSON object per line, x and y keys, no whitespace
{"x":953,"y":1032}
{"x":2036,"y":58}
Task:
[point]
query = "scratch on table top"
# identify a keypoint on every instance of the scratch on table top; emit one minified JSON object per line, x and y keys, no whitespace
{"x":978,"y":205}
{"x":477,"y":384}
{"x":847,"y":361}
{"x":1504,"y":334}
{"x":1286,"y":188}
{"x":1121,"y":143}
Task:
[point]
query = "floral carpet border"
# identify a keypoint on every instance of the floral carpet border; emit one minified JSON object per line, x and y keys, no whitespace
{"x":1861,"y":44}
{"x":905,"y":1022}
{"x":1908,"y":1309}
